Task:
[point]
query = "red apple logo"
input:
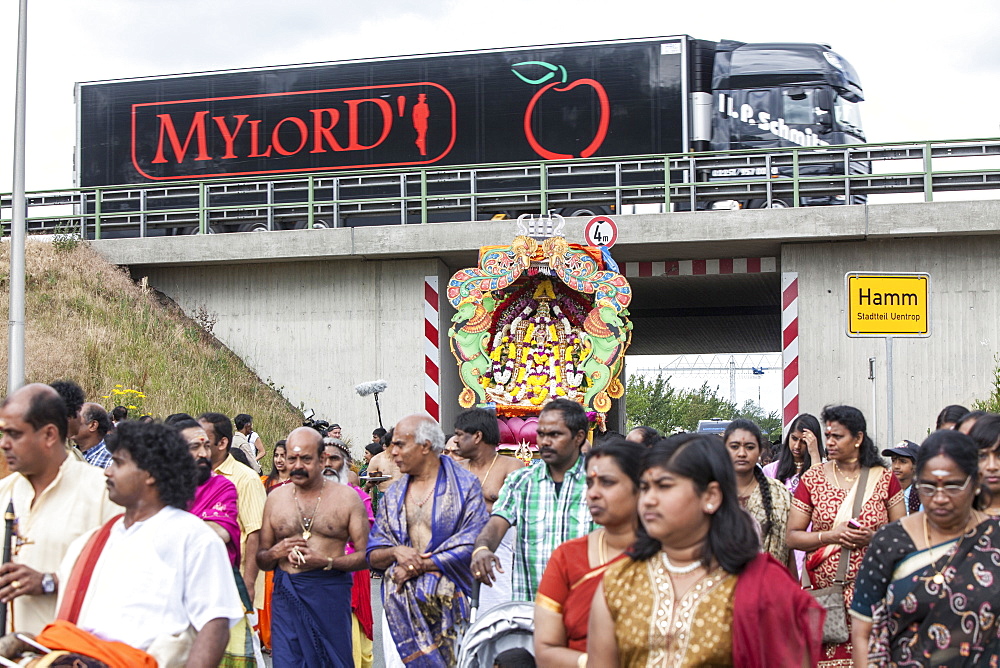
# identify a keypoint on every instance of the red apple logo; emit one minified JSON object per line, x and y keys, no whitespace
{"x":556,"y":74}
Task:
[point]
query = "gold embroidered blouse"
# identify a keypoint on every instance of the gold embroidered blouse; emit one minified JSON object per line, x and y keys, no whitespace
{"x":654,"y":629}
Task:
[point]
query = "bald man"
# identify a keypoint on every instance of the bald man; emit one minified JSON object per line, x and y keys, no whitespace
{"x":306,"y":526}
{"x":56,"y":499}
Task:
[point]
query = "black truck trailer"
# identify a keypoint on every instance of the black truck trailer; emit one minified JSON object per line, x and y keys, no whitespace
{"x":247,"y":134}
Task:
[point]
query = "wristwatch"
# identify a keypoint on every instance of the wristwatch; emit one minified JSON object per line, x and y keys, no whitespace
{"x":48,"y":584}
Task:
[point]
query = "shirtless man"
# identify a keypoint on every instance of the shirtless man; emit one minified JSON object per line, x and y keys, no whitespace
{"x":306,"y":525}
{"x":477,"y":436}
{"x":383,"y":464}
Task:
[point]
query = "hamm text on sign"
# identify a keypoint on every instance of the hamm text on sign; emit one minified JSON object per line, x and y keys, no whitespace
{"x":883,"y":304}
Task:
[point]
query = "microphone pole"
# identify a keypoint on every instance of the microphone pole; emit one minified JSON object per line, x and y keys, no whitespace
{"x":8,"y":534}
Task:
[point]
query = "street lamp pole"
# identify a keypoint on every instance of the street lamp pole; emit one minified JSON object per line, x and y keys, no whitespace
{"x":18,"y":224}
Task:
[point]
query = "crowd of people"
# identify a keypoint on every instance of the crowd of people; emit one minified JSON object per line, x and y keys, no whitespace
{"x":164,"y":543}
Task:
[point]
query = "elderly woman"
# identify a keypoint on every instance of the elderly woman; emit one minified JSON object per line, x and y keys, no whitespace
{"x":926,"y":592}
{"x":841,"y":529}
{"x":695,"y":590}
{"x":562,"y":605}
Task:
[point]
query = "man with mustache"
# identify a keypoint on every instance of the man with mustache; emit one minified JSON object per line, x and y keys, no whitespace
{"x":545,"y":501}
{"x":156,"y":579}
{"x":337,"y":462}
{"x":250,"y":496}
{"x":306,"y":528}
{"x":56,"y":499}
{"x":215,"y":496}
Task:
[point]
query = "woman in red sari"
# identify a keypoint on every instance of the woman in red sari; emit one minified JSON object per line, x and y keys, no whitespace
{"x":825,"y":497}
{"x":562,"y":605}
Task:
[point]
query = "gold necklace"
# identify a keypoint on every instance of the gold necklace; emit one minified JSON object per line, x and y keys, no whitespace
{"x":307,"y":522}
{"x":838,"y":472}
{"x":938,"y":577}
{"x":487,"y":476}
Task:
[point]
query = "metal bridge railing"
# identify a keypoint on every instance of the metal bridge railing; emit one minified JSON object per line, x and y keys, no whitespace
{"x":798,"y":176}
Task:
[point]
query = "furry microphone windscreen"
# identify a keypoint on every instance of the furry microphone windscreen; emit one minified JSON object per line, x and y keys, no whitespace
{"x":374,"y":387}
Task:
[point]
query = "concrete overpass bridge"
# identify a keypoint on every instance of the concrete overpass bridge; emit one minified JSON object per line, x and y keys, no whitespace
{"x":318,"y":311}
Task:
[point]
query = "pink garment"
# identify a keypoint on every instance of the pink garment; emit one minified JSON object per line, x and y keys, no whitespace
{"x":361,"y":592}
{"x":771,"y":471}
{"x":215,"y":501}
{"x":349,"y":548}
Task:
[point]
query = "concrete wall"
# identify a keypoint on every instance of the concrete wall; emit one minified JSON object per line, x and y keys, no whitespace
{"x":319,"y":328}
{"x":319,"y":311}
{"x":954,"y":365}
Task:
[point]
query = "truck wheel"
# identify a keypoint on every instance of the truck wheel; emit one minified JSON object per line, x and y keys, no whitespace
{"x":317,"y":224}
{"x":211,"y":229}
{"x":773,"y":204}
{"x":253,"y":227}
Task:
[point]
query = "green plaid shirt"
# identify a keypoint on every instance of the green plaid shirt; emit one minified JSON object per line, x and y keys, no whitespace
{"x":544,"y":520}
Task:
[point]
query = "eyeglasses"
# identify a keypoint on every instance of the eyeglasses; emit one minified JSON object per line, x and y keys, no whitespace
{"x":951,"y":489}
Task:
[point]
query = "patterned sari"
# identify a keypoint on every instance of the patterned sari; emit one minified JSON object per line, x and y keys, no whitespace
{"x":828,"y":505}
{"x":919,"y":622}
{"x":774,"y":543}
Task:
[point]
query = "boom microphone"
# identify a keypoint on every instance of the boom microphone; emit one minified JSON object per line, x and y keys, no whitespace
{"x":373,"y":387}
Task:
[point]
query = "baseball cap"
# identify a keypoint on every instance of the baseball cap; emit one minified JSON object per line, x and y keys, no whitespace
{"x":903,"y":449}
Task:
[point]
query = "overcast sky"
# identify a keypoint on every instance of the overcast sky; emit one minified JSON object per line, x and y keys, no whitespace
{"x":929,"y":71}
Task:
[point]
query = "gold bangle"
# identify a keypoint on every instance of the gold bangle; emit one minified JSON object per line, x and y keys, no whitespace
{"x":582,"y":661}
{"x":820,"y":537}
{"x":329,"y":564}
{"x":481,"y":547}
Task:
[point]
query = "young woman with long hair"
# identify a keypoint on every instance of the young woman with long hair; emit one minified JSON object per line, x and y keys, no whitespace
{"x":764,"y":498}
{"x":800,"y":451}
{"x":825,"y":498}
{"x":695,"y":589}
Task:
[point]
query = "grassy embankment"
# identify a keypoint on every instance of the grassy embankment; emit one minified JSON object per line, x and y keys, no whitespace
{"x":88,"y":321}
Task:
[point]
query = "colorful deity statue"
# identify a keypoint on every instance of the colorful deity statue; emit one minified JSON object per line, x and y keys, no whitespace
{"x":537,"y":321}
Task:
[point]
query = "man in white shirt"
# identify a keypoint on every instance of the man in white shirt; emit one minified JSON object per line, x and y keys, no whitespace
{"x":56,"y":499}
{"x":162,"y":574}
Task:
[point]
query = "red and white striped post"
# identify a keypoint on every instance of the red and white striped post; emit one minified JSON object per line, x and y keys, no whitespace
{"x":432,"y":348}
{"x":790,"y":345}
